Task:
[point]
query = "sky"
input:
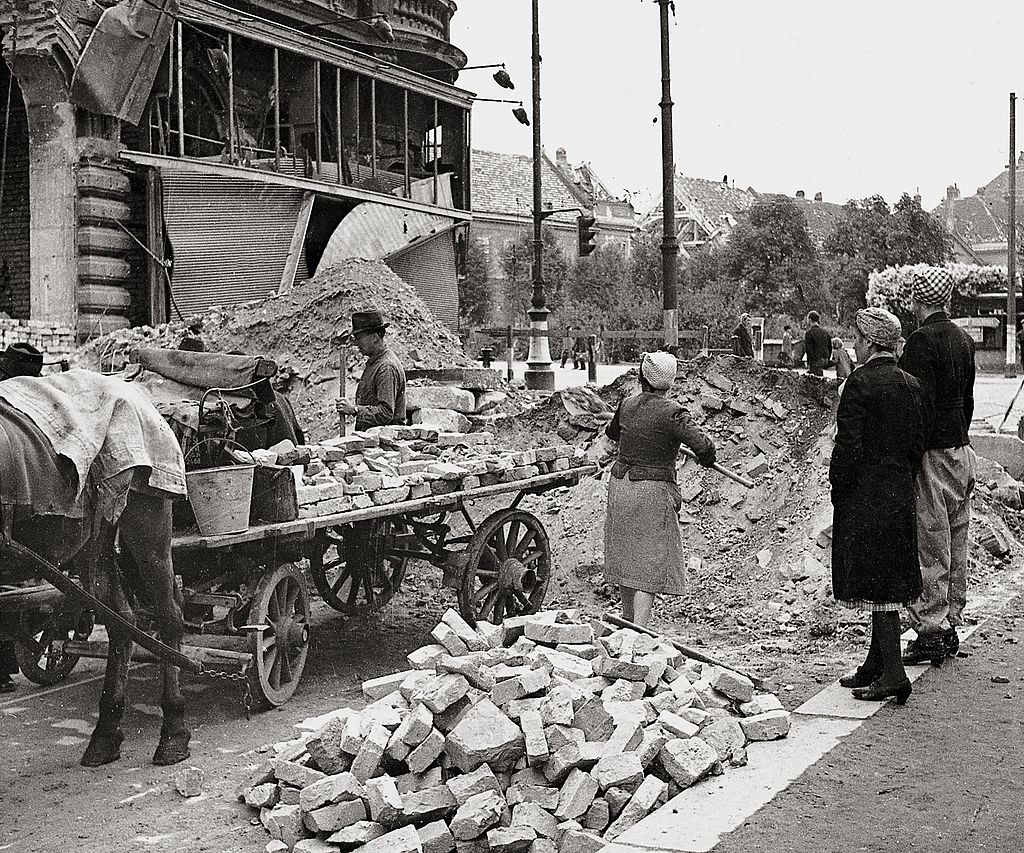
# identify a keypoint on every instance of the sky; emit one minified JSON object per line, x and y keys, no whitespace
{"x":846,"y":99}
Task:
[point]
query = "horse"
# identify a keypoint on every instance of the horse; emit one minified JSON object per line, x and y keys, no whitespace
{"x":32,"y":458}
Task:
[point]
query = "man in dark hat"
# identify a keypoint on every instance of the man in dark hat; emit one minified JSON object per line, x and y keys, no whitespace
{"x":20,"y":360}
{"x":380,"y":395}
{"x":17,"y":360}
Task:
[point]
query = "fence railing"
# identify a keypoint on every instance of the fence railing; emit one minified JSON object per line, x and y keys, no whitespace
{"x":594,"y":337}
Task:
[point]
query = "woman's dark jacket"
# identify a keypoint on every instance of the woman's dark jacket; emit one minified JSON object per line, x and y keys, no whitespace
{"x":879,"y":445}
{"x":649,"y":429}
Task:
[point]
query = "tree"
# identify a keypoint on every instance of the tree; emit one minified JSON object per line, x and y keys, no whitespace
{"x":771,"y":252}
{"x":517,"y":264}
{"x":870,"y":237}
{"x":475,"y":297}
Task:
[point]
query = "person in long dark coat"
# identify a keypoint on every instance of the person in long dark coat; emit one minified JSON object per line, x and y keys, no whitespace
{"x":877,"y":455}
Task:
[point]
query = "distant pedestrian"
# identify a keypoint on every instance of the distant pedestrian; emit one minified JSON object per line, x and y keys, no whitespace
{"x":643,"y":549}
{"x":877,"y":454}
{"x":579,"y":353}
{"x":741,"y":334}
{"x":817,"y":345}
{"x":567,"y":346}
{"x":941,"y":355}
{"x":786,"y":353}
{"x":841,"y":359}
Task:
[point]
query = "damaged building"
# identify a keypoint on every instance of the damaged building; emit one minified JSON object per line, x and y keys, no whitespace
{"x":161,"y":157}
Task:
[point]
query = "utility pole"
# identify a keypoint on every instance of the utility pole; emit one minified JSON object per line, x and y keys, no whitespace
{"x":1011,"y":250}
{"x":669,"y":242}
{"x":539,"y":374}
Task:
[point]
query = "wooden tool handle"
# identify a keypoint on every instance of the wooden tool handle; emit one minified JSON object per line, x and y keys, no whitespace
{"x":721,"y":469}
{"x":343,"y":371}
{"x":686,"y":650}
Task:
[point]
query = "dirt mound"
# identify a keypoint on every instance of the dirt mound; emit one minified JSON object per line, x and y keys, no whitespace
{"x":759,"y":559}
{"x":296,"y":328}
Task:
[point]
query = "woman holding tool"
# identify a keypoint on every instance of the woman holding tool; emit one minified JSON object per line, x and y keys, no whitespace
{"x":878,"y":451}
{"x":642,"y":545}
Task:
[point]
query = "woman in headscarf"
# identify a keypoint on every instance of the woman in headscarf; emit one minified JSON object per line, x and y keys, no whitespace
{"x":643,"y":551}
{"x":879,"y":445}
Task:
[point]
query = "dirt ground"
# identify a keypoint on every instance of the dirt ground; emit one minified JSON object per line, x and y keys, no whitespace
{"x":943,"y":774}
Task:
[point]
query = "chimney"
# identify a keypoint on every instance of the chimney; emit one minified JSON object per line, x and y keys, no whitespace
{"x":800,"y":194}
{"x":725,"y":180}
{"x":817,"y":197}
{"x":561,"y":159}
{"x":952,"y":192}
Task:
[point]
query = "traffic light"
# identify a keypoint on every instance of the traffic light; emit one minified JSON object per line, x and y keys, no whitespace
{"x":586,"y":234}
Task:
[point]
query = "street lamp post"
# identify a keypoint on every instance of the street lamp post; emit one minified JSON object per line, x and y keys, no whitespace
{"x":669,"y":241}
{"x":539,"y":374}
{"x":1011,"y":251}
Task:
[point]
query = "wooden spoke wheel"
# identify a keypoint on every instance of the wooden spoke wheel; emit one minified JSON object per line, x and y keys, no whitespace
{"x":353,"y":567}
{"x":279,"y":650}
{"x":38,"y":630}
{"x":508,"y":566}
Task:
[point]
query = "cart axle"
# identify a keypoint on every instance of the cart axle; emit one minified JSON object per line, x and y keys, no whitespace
{"x":202,"y":659}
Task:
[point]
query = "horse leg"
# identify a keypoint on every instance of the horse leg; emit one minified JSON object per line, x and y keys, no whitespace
{"x":105,"y":743}
{"x":145,"y":527}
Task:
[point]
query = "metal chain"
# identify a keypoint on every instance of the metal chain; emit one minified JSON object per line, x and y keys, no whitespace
{"x":242,"y":676}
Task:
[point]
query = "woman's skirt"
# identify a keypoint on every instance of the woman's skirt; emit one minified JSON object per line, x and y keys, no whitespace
{"x":643,"y":548}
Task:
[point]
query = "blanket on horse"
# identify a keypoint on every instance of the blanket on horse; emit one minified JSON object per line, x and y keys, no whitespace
{"x":106,"y":428}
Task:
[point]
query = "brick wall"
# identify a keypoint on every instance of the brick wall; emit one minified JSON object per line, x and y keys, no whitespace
{"x":54,"y":342}
{"x":14,"y":213}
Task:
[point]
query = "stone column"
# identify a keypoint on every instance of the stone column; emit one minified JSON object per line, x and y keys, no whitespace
{"x":52,"y":159}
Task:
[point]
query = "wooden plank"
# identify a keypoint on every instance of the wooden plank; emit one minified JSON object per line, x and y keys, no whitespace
{"x":291,"y":264}
{"x":420,"y":505}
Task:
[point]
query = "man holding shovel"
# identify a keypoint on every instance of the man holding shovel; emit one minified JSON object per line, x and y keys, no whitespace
{"x":380,"y":395}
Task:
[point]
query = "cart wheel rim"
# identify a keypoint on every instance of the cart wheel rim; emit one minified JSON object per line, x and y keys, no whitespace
{"x":366,"y":585}
{"x":34,"y":659}
{"x":508,"y":567}
{"x":279,"y":651}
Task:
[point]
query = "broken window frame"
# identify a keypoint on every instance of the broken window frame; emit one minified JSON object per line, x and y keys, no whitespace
{"x":330,"y":110}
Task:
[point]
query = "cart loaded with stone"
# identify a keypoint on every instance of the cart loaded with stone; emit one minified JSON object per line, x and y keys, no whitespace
{"x":349,"y":513}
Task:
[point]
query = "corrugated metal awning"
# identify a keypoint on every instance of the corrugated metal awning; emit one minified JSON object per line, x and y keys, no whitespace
{"x":231,"y":237}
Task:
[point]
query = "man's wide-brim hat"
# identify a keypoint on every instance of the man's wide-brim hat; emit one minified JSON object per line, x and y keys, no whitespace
{"x":21,"y":360}
{"x":367,"y":321}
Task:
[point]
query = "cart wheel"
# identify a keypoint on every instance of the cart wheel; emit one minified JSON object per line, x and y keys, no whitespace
{"x":279,"y":651}
{"x":357,"y":587}
{"x":34,"y":661}
{"x":508,"y":566}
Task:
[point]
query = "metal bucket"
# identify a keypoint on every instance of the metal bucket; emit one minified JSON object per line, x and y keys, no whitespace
{"x":221,"y":498}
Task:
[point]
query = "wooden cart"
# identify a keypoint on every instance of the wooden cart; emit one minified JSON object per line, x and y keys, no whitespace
{"x":246,"y":602}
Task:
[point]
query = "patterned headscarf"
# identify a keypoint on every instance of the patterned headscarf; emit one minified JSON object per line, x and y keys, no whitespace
{"x":659,"y":369}
{"x":879,"y":326}
{"x":933,"y":286}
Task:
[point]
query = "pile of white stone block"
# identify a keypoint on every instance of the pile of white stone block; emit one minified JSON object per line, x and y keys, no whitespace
{"x":546,"y":733}
{"x":386,"y":465}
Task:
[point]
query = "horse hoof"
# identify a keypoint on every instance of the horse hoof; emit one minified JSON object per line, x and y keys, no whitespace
{"x":102,"y":749}
{"x":172,"y":749}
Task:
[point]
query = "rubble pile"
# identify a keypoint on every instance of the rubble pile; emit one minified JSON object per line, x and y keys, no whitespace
{"x":546,"y":733}
{"x":385,"y":465}
{"x":296,"y":329}
{"x":758,"y":561}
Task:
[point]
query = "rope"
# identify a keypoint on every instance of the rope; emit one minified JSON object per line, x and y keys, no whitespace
{"x":7,"y":115}
{"x":161,"y":263}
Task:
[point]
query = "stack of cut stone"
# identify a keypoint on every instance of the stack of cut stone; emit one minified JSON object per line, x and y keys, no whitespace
{"x":448,"y":408}
{"x":388,"y":464}
{"x":545,"y":733}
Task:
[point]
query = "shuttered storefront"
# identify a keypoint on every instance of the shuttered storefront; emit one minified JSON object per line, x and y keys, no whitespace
{"x":231,"y":237}
{"x":430,"y":267}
